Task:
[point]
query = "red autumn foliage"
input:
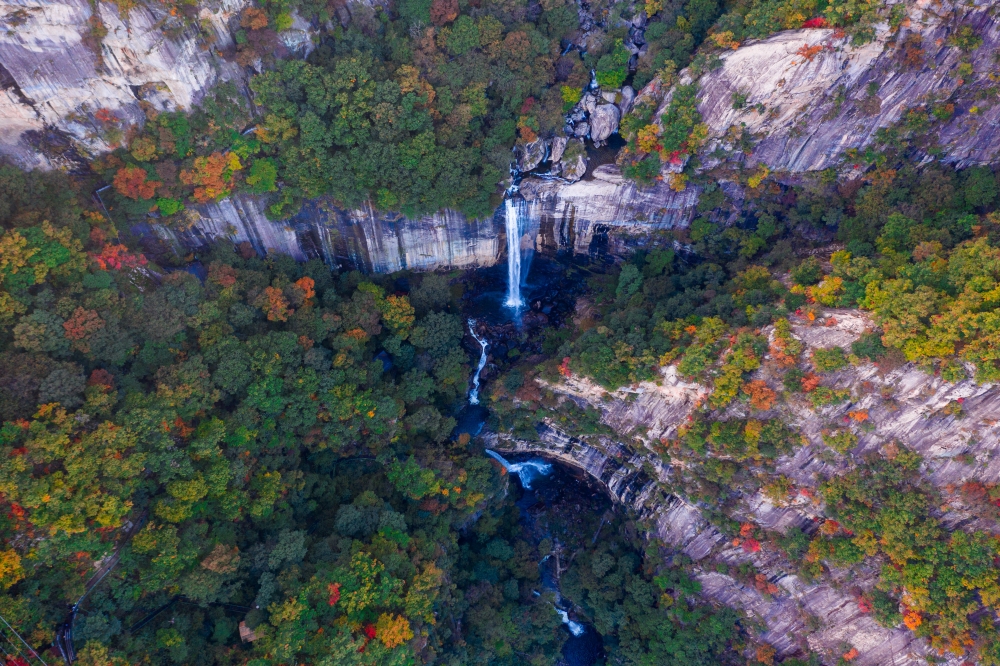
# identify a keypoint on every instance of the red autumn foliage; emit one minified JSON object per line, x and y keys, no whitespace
{"x":751,"y":546}
{"x":564,"y":367}
{"x":443,"y":11}
{"x":222,"y":275}
{"x":864,"y":605}
{"x":817,"y":22}
{"x":101,"y":377}
{"x":105,"y":116}
{"x":131,"y":182}
{"x":117,"y":257}
{"x":370,"y":631}
{"x":334,"y":589}
{"x":82,"y":323}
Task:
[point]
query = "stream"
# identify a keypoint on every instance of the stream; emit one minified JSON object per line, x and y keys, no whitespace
{"x":555,"y":503}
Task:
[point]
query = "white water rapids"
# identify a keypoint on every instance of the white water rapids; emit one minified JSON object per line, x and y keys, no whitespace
{"x":474,"y":393}
{"x":527,"y":471}
{"x":575,"y":628}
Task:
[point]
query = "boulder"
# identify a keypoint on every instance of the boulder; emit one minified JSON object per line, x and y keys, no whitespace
{"x":628,"y":98}
{"x":532,"y":154}
{"x":581,"y":130}
{"x":574,"y":169}
{"x":588,"y":102}
{"x":558,"y":148}
{"x":603,"y":123}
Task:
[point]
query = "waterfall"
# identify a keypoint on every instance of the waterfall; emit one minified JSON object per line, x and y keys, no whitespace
{"x":526,"y":471}
{"x":513,"y":227}
{"x":575,"y":628}
{"x":474,"y":393}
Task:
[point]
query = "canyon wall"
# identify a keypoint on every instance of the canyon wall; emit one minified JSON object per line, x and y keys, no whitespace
{"x":905,"y":405}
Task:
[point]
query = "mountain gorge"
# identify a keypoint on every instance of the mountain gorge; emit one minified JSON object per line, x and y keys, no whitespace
{"x":252,"y":252}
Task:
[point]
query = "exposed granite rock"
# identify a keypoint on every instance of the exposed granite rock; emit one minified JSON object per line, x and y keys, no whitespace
{"x":627,"y":98}
{"x":606,"y":214}
{"x":53,"y":79}
{"x":363,"y":239}
{"x":531,"y":155}
{"x":603,"y":123}
{"x":574,"y":169}
{"x":808,"y":98}
{"x":558,"y":148}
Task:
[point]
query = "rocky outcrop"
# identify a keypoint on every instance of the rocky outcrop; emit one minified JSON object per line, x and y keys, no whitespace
{"x":55,"y":75}
{"x":606,"y":214}
{"x":808,"y":95}
{"x":953,"y":426}
{"x":531,"y":155}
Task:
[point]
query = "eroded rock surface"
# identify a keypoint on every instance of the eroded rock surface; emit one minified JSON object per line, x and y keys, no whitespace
{"x":808,"y":95}
{"x":54,"y":75}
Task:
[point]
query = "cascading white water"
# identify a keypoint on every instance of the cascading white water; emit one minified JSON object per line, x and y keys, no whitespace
{"x":474,"y":393}
{"x":513,"y":228}
{"x":575,"y":628}
{"x":527,"y":471}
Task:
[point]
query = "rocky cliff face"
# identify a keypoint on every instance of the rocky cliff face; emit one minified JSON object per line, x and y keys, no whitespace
{"x":602,"y":215}
{"x":904,"y":405}
{"x":808,"y":95}
{"x":364,"y":239}
{"x":55,"y":73}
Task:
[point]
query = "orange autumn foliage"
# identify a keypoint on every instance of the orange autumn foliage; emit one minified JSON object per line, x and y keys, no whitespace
{"x":765,"y":654}
{"x":809,"y":52}
{"x":850,"y":654}
{"x":307,"y":285}
{"x":131,"y":182}
{"x":810,"y":382}
{"x":274,"y":303}
{"x":761,"y":397}
{"x":253,"y":18}
{"x":912,"y":620}
{"x":212,"y":176}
